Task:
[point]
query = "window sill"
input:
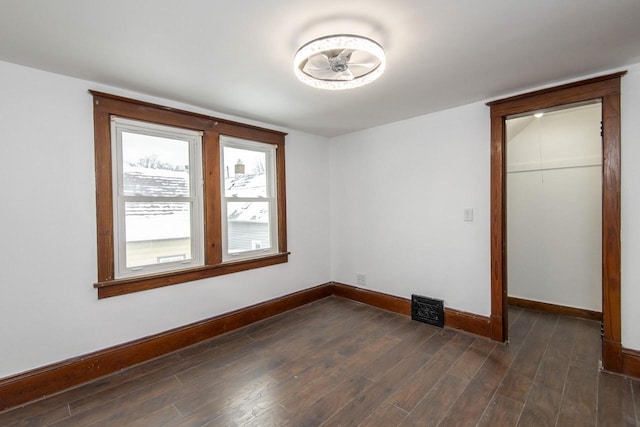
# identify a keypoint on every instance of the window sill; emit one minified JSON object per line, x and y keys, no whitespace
{"x":112,"y":288}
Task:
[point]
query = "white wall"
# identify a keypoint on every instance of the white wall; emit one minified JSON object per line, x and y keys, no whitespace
{"x":49,"y":310}
{"x":554,"y":207}
{"x":398,"y":194}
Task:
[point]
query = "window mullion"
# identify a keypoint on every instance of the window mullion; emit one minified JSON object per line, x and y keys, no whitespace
{"x":212,"y":205}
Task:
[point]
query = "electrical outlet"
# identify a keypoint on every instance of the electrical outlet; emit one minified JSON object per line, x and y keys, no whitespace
{"x":361,"y":279}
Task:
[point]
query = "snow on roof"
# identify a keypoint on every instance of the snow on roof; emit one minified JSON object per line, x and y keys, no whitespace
{"x":141,"y":181}
{"x":154,"y":226}
{"x":170,"y":220}
{"x":247,"y":186}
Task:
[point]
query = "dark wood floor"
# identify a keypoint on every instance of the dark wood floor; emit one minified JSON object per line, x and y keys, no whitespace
{"x":339,"y":363}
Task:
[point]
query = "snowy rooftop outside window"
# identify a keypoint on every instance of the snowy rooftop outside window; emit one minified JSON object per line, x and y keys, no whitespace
{"x":162,"y":220}
{"x":248,"y":186}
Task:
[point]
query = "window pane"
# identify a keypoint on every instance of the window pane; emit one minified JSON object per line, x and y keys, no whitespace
{"x":245,"y":173}
{"x":154,"y":166}
{"x":248,"y":226}
{"x":157,"y":233}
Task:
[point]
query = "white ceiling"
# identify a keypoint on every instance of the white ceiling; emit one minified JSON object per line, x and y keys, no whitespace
{"x":236,"y":57}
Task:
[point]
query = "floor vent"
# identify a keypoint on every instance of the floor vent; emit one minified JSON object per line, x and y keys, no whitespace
{"x":427,"y":310}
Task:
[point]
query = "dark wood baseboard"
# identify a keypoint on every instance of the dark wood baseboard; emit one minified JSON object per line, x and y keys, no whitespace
{"x":497,"y":330}
{"x":376,"y":299}
{"x":631,"y":362}
{"x":557,"y":309}
{"x":611,"y":355}
{"x":35,"y":384}
{"x":38,"y":383}
{"x":468,"y":322}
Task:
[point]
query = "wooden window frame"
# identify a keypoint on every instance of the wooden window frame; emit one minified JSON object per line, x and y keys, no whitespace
{"x":106,"y":105}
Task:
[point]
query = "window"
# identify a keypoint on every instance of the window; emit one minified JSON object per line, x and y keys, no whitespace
{"x":157,"y":193}
{"x":248,"y":199}
{"x":182,"y":196}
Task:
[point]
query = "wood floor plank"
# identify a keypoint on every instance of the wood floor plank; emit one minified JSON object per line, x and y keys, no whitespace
{"x":615,"y":401}
{"x":39,"y":419}
{"x":160,"y":417}
{"x":541,"y":408}
{"x":291,"y":387}
{"x":224,"y":343}
{"x":332,"y":325}
{"x":469,"y":363}
{"x":519,"y":379}
{"x":332,"y":402}
{"x":501,"y":411}
{"x":584,"y":353}
{"x":414,"y":331}
{"x":282,"y":322}
{"x":249,"y":404}
{"x":553,"y":369}
{"x":359,"y":408}
{"x":514,"y":313}
{"x":535,"y":345}
{"x":580,"y":395}
{"x":386,"y":415}
{"x":238,"y":399}
{"x":136,"y":410}
{"x":246,"y":376}
{"x":567,"y":421}
{"x":437,"y":403}
{"x":376,"y":328}
{"x":363,"y":405}
{"x":412,"y":391}
{"x":275,"y":416}
{"x":635,"y":387}
{"x":216,"y":360}
{"x":301,"y":334}
{"x":471,"y":405}
{"x":202,"y":418}
{"x":145,"y":400}
{"x":371,"y":352}
{"x":485,"y":344}
{"x":297,"y":348}
{"x":308,"y":394}
{"x":49,"y":409}
{"x":342,"y":336}
{"x":246,"y":368}
{"x":438,"y":340}
{"x":321,"y":357}
{"x":96,"y":399}
{"x":315,"y":389}
{"x":387,"y":360}
{"x":515,"y":386}
{"x":521,"y":327}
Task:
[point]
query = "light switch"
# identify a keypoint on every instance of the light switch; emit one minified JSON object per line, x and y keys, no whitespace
{"x":468,"y":214}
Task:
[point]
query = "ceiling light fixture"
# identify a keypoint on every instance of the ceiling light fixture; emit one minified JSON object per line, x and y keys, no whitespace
{"x":339,"y":62}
